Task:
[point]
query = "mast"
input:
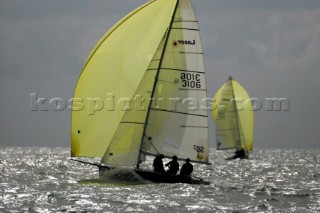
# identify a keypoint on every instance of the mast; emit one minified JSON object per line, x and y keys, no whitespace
{"x":155,"y":81}
{"x":238,"y":143}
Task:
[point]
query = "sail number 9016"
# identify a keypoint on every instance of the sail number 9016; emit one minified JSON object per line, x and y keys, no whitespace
{"x":190,"y":80}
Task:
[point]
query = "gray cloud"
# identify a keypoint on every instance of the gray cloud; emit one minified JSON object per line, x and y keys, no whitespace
{"x":271,"y":47}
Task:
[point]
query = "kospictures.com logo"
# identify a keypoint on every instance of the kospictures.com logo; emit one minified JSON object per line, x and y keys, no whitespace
{"x":138,"y":102}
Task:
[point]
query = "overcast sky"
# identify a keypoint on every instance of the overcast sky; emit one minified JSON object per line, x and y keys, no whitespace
{"x":272,"y":47}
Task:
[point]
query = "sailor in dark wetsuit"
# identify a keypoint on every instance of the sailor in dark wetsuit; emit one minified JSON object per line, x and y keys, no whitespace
{"x":186,"y":168}
{"x":158,"y":164}
{"x":173,"y":166}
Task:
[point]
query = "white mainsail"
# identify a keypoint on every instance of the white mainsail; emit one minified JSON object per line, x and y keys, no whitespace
{"x":175,"y":128}
{"x":172,"y":121}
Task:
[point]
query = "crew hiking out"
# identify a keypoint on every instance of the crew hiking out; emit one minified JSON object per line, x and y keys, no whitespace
{"x":173,"y":166}
{"x":158,"y":164}
{"x":186,"y":168}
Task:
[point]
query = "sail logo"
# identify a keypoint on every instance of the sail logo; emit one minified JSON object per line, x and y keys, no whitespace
{"x":199,"y":149}
{"x":184,"y":42}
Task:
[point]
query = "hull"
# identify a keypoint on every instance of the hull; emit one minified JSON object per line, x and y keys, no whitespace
{"x":236,"y":157}
{"x":160,"y":177}
{"x":168,"y":178}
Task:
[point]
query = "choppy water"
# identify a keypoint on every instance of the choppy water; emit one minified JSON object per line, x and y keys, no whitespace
{"x":44,"y":180}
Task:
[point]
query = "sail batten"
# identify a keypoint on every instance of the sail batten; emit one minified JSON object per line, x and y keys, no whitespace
{"x":181,"y":70}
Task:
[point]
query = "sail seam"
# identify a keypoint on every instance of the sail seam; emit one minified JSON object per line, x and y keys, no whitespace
{"x":193,"y":89}
{"x":184,"y":113}
{"x":153,"y":69}
{"x":128,"y":122}
{"x":181,"y":28}
{"x":226,"y":129}
{"x":205,"y":127}
{"x":225,"y":148}
{"x":192,"y":21}
{"x":197,"y":53}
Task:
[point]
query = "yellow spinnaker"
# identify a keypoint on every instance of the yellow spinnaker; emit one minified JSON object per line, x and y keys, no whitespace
{"x":244,"y":115}
{"x":113,"y":73}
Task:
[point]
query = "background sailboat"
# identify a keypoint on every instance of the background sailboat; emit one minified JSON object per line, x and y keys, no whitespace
{"x":234,"y":119}
{"x":153,"y":54}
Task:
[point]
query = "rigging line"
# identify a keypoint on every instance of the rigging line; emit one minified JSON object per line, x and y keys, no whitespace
{"x":190,"y":21}
{"x":184,"y":113}
{"x":152,"y":144}
{"x":156,"y":77}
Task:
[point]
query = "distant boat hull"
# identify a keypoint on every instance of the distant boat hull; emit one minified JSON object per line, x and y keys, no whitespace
{"x":160,"y":177}
{"x":235,"y":157}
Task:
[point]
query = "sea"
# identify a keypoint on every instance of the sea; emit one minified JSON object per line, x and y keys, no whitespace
{"x":271,"y":180}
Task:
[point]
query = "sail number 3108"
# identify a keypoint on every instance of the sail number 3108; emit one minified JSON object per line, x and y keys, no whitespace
{"x":190,"y":80}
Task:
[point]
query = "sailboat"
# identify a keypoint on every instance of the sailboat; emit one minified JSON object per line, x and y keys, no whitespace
{"x":234,"y":118}
{"x":132,"y":98}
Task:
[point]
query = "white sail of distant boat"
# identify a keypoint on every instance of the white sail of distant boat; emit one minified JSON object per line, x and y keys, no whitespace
{"x":234,"y":118}
{"x":154,"y":58}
